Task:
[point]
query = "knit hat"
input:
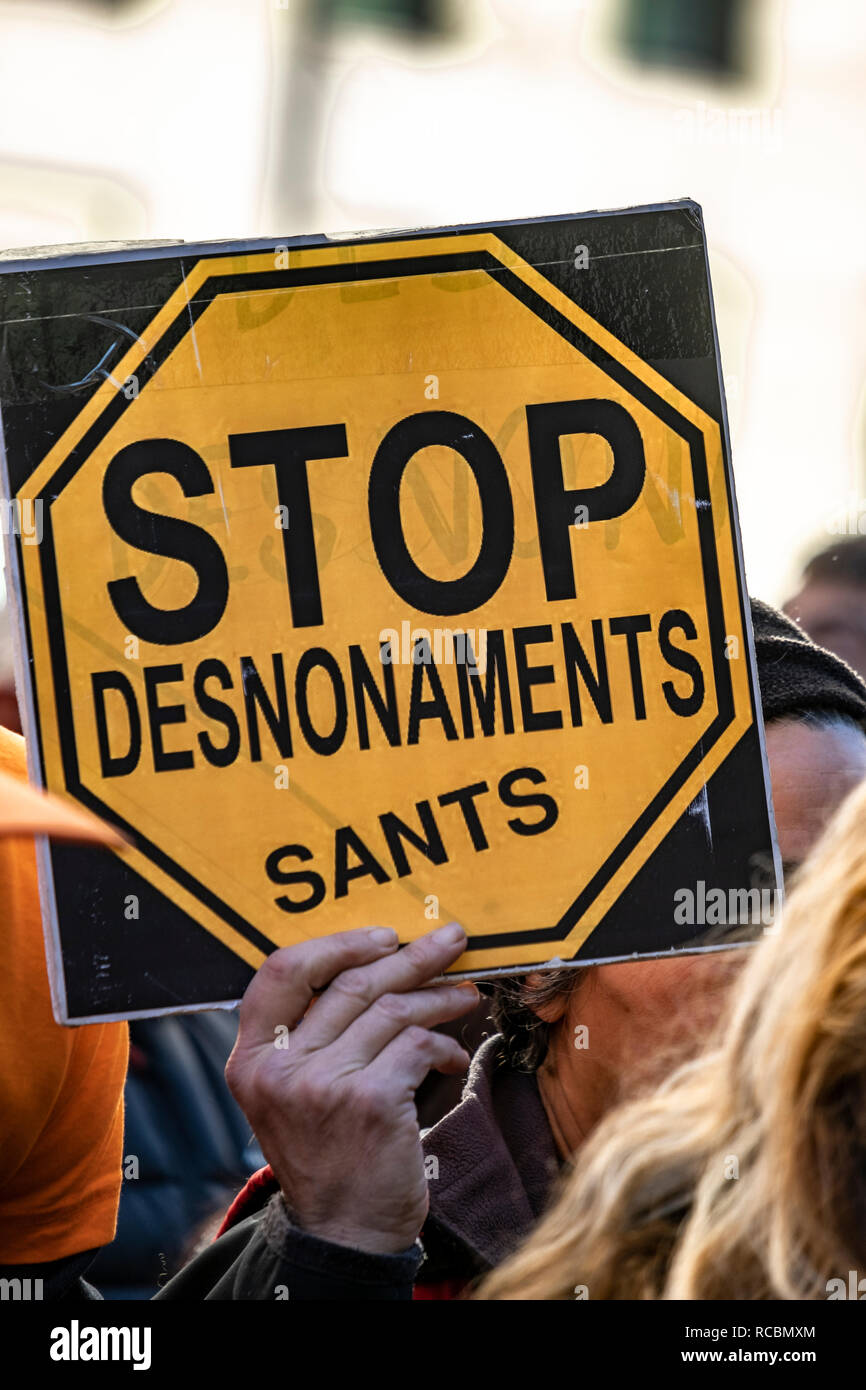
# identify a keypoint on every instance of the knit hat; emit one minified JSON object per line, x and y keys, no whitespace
{"x":796,"y":675}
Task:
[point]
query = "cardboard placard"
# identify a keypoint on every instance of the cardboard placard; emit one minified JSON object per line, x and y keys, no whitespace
{"x":383,"y":579}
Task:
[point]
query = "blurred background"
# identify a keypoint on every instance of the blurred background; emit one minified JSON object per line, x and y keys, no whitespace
{"x":211,"y":119}
{"x":208,"y":119}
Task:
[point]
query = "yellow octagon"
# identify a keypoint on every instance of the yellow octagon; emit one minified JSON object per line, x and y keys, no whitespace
{"x":423,"y":807}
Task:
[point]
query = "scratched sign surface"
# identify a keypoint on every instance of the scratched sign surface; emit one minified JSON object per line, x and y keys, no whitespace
{"x":387,"y":580}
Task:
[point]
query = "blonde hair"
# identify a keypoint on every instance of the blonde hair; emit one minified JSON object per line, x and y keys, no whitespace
{"x":744,"y":1175}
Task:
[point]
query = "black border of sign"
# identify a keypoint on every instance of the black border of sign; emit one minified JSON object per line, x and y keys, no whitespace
{"x":212,"y":287}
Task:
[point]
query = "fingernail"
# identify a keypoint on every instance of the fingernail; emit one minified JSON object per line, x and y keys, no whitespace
{"x":384,"y":936}
{"x":466,"y":988}
{"x":450,"y":935}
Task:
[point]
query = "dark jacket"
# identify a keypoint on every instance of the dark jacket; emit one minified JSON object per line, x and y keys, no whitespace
{"x":190,"y":1143}
{"x":490,"y":1162}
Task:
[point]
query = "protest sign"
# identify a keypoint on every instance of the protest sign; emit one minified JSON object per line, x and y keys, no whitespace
{"x":387,"y":579}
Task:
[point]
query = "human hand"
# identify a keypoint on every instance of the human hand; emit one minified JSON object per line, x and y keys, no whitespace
{"x":329,"y":1089}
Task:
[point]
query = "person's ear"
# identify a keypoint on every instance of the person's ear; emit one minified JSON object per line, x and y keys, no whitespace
{"x":552,"y":1010}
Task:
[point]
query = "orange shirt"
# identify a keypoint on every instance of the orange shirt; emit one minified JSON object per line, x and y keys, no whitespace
{"x":61,"y":1089}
